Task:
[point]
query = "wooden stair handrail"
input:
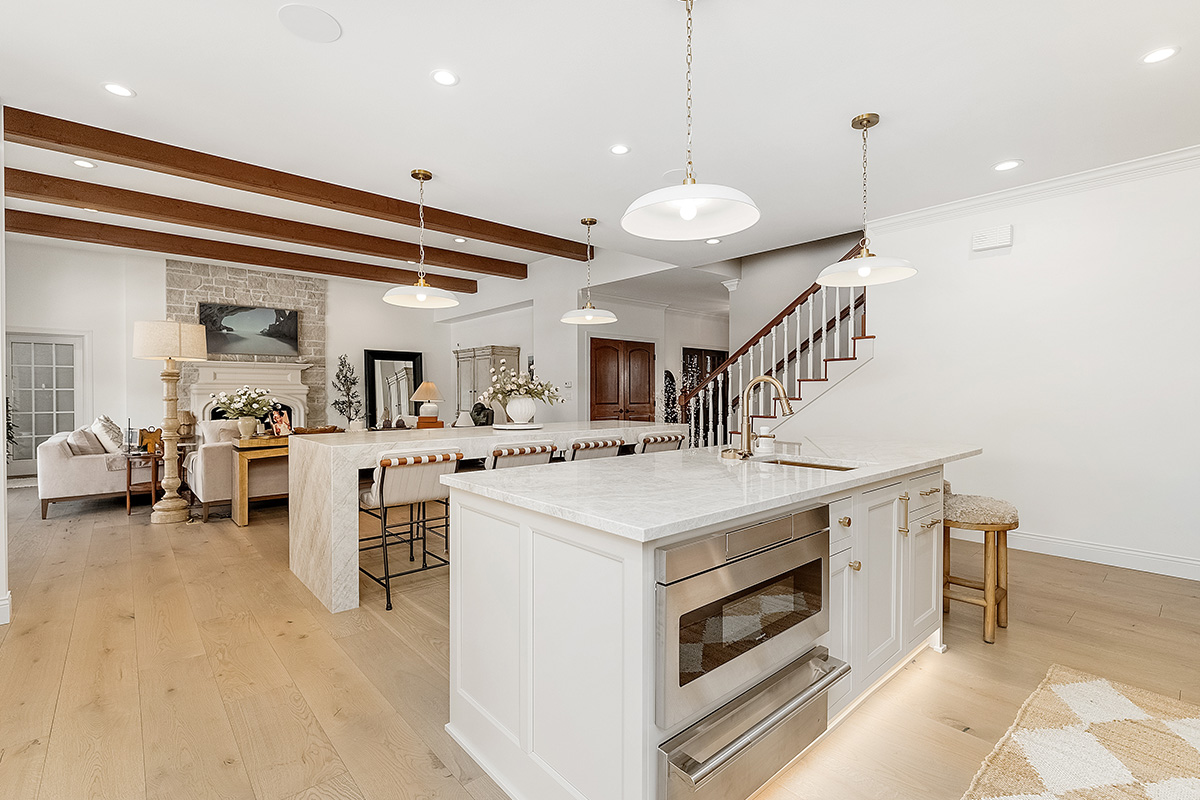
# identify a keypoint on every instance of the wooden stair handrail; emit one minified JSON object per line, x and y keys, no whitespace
{"x":685,"y":397}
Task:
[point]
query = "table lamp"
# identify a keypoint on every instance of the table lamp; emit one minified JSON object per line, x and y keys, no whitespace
{"x":170,"y":342}
{"x":428,"y":395}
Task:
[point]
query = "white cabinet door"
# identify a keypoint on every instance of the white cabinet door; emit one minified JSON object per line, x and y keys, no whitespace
{"x":466,"y":382}
{"x":923,"y":577}
{"x":878,"y":634}
{"x":841,"y":629}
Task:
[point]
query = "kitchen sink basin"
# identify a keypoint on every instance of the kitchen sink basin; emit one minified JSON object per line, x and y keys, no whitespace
{"x":791,"y":462}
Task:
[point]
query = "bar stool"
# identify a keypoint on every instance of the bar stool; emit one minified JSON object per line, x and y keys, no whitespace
{"x":995,"y":518}
{"x":594,"y":448}
{"x":520,"y":455}
{"x":658,"y":442}
{"x":408,"y":478}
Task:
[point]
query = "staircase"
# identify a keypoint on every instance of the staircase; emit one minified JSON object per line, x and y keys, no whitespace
{"x":812,"y":345}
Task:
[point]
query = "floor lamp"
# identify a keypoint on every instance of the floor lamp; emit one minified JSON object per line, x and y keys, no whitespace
{"x":170,"y":342}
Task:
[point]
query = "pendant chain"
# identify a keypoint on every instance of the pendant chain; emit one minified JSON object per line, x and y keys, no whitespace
{"x":865,"y":240}
{"x":589,"y":263}
{"x":421,"y":234}
{"x":691,"y":177}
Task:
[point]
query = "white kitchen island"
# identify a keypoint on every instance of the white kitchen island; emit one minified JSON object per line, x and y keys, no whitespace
{"x":323,"y":488}
{"x":557,"y":682}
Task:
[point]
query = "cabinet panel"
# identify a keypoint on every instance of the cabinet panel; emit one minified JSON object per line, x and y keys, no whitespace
{"x":925,"y":491}
{"x":923,"y":577}
{"x":841,"y":519}
{"x":841,"y":629}
{"x":878,"y":637}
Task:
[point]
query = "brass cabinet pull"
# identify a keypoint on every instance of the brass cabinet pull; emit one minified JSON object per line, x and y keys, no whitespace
{"x":855,"y":565}
{"x":904,"y":528}
{"x":933,"y":523}
{"x":844,"y":522}
{"x":928,"y":492}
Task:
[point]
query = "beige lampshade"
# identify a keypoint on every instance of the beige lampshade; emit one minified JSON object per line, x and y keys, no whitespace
{"x":427,"y":392}
{"x":161,"y":339}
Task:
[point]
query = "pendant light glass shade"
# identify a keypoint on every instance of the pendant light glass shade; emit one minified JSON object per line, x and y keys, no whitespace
{"x":865,"y":268}
{"x":588,"y":314}
{"x":693,"y":210}
{"x":690,"y":211}
{"x":421,"y":294}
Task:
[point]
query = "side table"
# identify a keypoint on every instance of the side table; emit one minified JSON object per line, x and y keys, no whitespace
{"x":133,"y":459}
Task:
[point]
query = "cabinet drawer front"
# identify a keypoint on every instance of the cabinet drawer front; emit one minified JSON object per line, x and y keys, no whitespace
{"x":923,"y":492}
{"x":840,"y":522}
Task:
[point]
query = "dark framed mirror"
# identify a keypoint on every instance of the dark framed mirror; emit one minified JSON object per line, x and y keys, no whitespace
{"x":391,"y":377}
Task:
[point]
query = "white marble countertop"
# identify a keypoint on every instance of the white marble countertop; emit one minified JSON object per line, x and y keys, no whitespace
{"x":655,"y":495}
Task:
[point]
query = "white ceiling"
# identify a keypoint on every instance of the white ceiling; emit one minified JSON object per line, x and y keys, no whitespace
{"x":681,"y":288}
{"x":547,"y":86}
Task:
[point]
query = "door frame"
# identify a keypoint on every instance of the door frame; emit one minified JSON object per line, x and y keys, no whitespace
{"x":81,"y":338}
{"x":585,"y":371}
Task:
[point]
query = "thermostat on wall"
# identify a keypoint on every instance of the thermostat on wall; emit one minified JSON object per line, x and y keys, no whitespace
{"x":992,"y":238}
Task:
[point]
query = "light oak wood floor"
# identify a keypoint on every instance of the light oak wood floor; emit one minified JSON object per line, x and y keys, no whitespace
{"x":186,"y":661}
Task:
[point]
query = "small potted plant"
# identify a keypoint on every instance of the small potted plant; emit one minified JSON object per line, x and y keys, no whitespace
{"x":345,"y":387}
{"x":248,"y":405}
{"x":517,"y":392}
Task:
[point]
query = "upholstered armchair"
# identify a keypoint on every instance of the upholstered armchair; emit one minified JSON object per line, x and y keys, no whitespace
{"x":210,"y":468}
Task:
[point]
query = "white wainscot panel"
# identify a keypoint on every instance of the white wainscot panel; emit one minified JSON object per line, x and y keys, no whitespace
{"x":578,"y":663}
{"x":489,"y":659}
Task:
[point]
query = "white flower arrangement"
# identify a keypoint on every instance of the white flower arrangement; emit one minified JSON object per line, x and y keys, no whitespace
{"x":507,"y":384}
{"x":246,"y":402}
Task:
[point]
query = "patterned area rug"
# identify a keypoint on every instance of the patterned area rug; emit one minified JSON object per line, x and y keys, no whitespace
{"x":1079,"y":737}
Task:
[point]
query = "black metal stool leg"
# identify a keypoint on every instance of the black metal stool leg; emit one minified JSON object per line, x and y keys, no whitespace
{"x":411,"y":534}
{"x":387,"y":573}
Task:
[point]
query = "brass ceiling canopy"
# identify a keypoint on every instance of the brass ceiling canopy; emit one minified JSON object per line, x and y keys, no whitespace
{"x":422,"y":175}
{"x":864,"y":121}
{"x":589,"y":221}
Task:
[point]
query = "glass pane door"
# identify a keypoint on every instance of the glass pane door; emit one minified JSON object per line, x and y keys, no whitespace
{"x":44,"y":374}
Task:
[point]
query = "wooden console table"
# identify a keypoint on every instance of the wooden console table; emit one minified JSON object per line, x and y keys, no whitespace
{"x":245,"y":451}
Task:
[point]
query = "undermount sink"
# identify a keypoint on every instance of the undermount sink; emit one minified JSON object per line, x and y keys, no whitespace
{"x":791,"y":462}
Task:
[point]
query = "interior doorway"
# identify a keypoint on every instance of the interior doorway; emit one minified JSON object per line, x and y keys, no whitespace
{"x":45,"y":392}
{"x":622,"y":380}
{"x":711,"y":409}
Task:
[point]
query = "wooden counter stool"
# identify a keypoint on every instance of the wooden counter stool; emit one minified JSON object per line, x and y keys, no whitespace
{"x":995,"y":518}
{"x":658,"y":442}
{"x":520,"y":455}
{"x":594,"y":448}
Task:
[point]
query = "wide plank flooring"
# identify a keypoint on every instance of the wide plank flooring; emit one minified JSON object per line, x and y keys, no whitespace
{"x":186,"y":661}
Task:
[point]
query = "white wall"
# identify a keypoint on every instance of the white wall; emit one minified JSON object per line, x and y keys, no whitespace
{"x":357,"y":319}
{"x":5,"y":594}
{"x":98,"y":293}
{"x":1070,"y":357}
{"x":770,"y":281}
{"x":511,"y":327}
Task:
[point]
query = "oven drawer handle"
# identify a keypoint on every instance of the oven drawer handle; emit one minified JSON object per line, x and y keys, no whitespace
{"x":697,"y":773}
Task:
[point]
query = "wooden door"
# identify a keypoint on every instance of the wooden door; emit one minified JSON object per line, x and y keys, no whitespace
{"x":622,"y":380}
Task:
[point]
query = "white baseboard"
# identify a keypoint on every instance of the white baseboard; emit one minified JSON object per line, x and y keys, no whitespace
{"x":1110,"y":554}
{"x":6,"y":608}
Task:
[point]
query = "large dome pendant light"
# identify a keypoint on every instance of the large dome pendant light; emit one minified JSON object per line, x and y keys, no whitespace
{"x":421,"y":294}
{"x":692,"y":210}
{"x":589,"y":314}
{"x":865,"y":268}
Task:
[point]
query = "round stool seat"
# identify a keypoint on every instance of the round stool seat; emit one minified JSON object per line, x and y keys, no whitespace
{"x":978,"y":511}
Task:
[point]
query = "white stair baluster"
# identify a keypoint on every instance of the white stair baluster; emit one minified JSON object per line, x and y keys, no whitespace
{"x":774,"y":356}
{"x":824,"y":328}
{"x":720,"y":414}
{"x":712,"y":417}
{"x":837,"y":322}
{"x":812,"y":333}
{"x":783,"y":378}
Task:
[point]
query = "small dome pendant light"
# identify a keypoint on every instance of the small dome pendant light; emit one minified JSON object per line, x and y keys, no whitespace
{"x":693,"y":210}
{"x":865,"y":268}
{"x":420,"y":294}
{"x":589,"y":314}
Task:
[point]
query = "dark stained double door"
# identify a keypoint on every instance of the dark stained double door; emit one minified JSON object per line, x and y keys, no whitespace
{"x":622,"y":382}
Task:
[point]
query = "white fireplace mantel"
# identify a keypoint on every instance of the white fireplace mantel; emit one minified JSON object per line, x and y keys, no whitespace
{"x":283,"y":380}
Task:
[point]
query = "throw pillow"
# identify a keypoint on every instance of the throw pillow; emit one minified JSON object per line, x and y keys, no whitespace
{"x":228,"y":432}
{"x":109,"y":434}
{"x":84,"y":443}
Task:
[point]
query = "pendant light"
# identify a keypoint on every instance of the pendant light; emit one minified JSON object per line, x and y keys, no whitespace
{"x":589,"y":314}
{"x":420,"y":294}
{"x":692,"y":210}
{"x":865,"y":268}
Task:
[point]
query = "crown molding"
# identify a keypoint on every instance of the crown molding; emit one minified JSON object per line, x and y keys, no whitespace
{"x":1164,"y":163}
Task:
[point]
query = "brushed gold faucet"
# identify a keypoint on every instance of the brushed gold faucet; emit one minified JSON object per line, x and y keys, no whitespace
{"x":748,"y":435}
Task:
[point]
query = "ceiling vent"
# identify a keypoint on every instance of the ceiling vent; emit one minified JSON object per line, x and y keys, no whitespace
{"x":992,"y":238}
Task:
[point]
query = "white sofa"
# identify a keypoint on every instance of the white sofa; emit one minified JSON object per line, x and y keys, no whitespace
{"x":210,"y":468}
{"x":61,"y":475}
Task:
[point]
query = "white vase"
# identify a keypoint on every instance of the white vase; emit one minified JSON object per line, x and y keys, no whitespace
{"x":520,"y":409}
{"x":356,"y":425}
{"x":247,"y":426}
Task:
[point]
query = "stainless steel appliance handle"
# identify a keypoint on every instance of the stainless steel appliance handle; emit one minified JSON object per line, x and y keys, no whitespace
{"x":698,"y":772}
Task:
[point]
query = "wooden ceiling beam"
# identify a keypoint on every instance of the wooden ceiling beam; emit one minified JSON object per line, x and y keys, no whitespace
{"x":86,"y":141}
{"x":110,"y":199}
{"x":78,"y":230}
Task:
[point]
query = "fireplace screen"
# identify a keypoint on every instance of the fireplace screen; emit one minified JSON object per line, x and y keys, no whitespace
{"x":719,"y":632}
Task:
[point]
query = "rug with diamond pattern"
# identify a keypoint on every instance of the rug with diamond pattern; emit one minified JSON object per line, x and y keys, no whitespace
{"x":1079,"y":737}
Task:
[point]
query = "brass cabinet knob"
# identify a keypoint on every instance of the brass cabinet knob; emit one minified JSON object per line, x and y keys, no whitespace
{"x":855,"y":565}
{"x":844,"y":522}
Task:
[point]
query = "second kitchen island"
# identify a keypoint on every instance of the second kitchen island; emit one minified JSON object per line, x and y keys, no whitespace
{"x":645,"y":627}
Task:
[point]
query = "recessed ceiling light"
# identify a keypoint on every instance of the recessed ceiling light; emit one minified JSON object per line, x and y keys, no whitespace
{"x":460,"y":240}
{"x":119,"y":90}
{"x":1161,"y":54}
{"x":79,"y":162}
{"x":444,"y":76}
{"x":619,"y":149}
{"x":712,"y":241}
{"x":310,"y":23}
{"x":1005,"y":166}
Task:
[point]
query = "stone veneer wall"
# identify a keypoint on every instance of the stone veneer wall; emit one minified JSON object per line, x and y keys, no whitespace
{"x":189,"y":284}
